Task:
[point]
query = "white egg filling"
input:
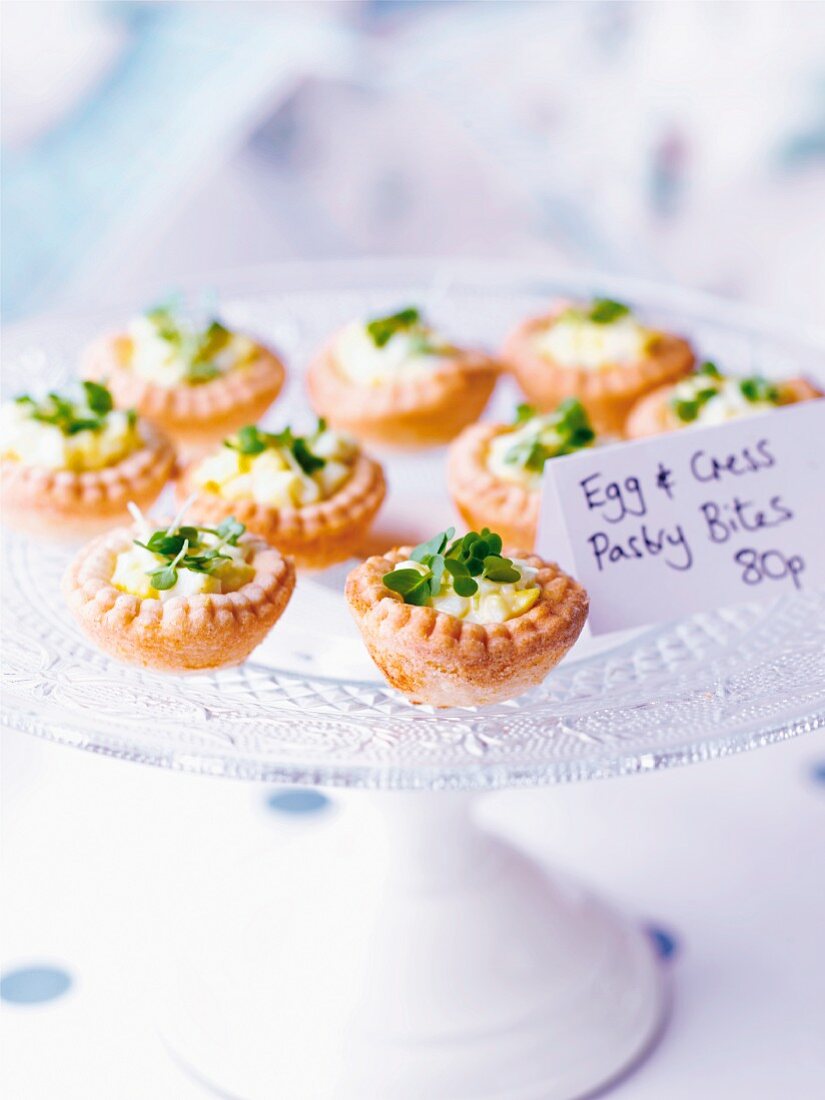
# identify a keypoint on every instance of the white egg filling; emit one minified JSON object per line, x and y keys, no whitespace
{"x":134,"y":569}
{"x":501,"y":446}
{"x":572,"y":340}
{"x":407,"y":354}
{"x":175,"y":352}
{"x":494,"y":602}
{"x":519,"y":453}
{"x":275,"y":476}
{"x":727,"y":403}
{"x":23,"y":438}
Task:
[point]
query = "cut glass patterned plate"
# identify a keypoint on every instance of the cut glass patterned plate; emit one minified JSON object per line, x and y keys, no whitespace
{"x":309,"y":706}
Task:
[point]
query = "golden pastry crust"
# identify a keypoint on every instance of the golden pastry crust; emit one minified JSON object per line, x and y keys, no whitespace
{"x":654,"y":416}
{"x":316,"y":535}
{"x":407,"y":412}
{"x":208,"y":630}
{"x":435,"y":658}
{"x":64,"y":503}
{"x":608,"y":394}
{"x":196,"y":417}
{"x":484,"y":500}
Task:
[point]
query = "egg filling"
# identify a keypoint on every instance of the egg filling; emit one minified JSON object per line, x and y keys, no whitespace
{"x":708,"y":397}
{"x":605,"y":334}
{"x":466,"y":578}
{"x":279,"y":469}
{"x":492,"y":602}
{"x":184,"y":561}
{"x":59,"y":433}
{"x":387,"y":349}
{"x":170,"y":350}
{"x":519,"y":453}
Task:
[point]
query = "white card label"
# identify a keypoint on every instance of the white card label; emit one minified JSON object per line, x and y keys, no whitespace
{"x":692,"y":520}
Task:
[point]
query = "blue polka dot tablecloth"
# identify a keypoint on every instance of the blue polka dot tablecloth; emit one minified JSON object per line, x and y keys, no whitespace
{"x":297,"y":800}
{"x":34,"y":985}
{"x":718,"y":862}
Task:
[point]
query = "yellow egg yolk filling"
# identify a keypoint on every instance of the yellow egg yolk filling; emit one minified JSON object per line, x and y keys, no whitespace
{"x":136,"y":567}
{"x":494,"y":601}
{"x":37,"y":443}
{"x":279,"y":475}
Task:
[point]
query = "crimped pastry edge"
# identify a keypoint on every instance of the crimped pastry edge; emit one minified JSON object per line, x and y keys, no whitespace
{"x":608,"y":394}
{"x":483,"y":499}
{"x":652,"y":415}
{"x":62,"y":502}
{"x":405,"y":412}
{"x":195,"y":416}
{"x":314,"y":536}
{"x":187,"y":633}
{"x":435,"y":658}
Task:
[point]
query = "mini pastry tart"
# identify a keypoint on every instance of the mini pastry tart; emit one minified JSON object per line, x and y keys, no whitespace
{"x":456,"y":624}
{"x":494,"y":470}
{"x":396,"y":381}
{"x":599,"y":353}
{"x":709,"y":397}
{"x":178,"y":599}
{"x":70,"y":467}
{"x":196,"y":383}
{"x":314,"y":497}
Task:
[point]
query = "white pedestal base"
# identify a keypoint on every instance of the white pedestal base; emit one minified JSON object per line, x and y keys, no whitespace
{"x":416,"y":957}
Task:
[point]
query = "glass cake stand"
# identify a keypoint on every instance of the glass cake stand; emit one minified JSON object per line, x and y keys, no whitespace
{"x":446,"y":964}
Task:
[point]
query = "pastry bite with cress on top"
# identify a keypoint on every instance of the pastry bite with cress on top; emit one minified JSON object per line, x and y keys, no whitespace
{"x":494,"y":470}
{"x":178,"y":598}
{"x":197,"y":381}
{"x":599,"y":352}
{"x":70,"y":464}
{"x":453,"y":622}
{"x":313,"y":496}
{"x":710,"y":397}
{"x":397,"y":381}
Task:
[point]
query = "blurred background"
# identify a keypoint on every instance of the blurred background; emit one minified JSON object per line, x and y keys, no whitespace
{"x":145,"y":143}
{"x":147,"y":146}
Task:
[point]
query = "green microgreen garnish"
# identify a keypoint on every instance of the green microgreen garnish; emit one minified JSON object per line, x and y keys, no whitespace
{"x":202,"y":372}
{"x":164,"y":578}
{"x":254,"y":441}
{"x":251,"y":441}
{"x":98,"y":398}
{"x":229,"y":531}
{"x":382,"y":329}
{"x":414,"y":586}
{"x":197,"y":348}
{"x":753,"y":389}
{"x":757,"y":388}
{"x":308,"y":461}
{"x":686,"y":411}
{"x":601,"y":311}
{"x":71,"y":417}
{"x":525,"y":413}
{"x":563,"y":432}
{"x":476,"y":554}
{"x":604,"y":311}
{"x":184,"y":548}
{"x":433,"y":547}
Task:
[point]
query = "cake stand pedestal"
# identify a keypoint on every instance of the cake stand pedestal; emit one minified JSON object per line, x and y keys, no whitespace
{"x":423,"y":957}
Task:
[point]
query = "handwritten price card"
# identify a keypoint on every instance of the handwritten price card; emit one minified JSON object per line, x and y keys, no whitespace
{"x":693,"y":520}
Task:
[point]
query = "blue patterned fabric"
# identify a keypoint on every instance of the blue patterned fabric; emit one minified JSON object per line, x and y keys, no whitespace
{"x":34,"y":985}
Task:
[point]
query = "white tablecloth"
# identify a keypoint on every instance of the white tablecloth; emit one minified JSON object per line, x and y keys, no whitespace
{"x":726,"y":857}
